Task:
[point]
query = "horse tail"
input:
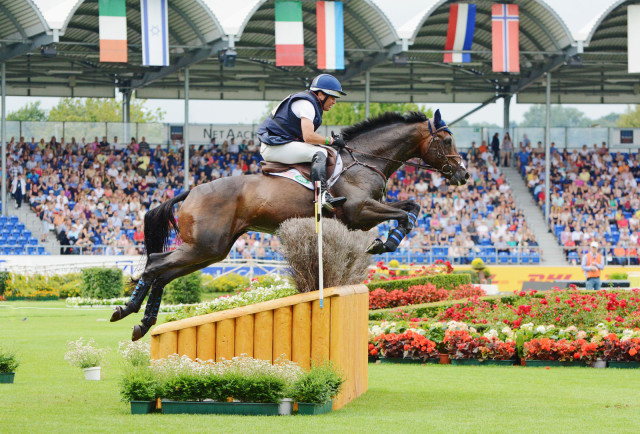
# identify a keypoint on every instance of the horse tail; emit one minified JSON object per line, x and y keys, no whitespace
{"x":158,"y":223}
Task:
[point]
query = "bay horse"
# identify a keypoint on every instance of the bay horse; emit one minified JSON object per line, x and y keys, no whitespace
{"x":215,"y":214}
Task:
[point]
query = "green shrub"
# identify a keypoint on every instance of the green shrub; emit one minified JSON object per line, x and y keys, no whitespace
{"x":612,"y":276}
{"x":140,"y":384}
{"x":102,"y":283}
{"x":318,"y":386}
{"x":446,"y":281}
{"x":184,"y":290}
{"x":227,"y":283}
{"x":8,"y":361}
{"x":4,"y":277}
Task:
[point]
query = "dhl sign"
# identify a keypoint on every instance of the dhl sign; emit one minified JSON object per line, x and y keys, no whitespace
{"x":510,"y":278}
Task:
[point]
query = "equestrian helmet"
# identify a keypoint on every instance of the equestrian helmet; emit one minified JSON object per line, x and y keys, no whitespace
{"x":328,"y":84}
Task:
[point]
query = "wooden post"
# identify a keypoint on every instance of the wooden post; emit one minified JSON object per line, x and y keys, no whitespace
{"x":301,"y":335}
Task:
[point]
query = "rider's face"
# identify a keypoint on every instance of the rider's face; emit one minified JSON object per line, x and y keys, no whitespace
{"x":331,"y":100}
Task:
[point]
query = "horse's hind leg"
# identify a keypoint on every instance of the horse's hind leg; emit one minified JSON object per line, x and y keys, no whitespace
{"x":134,"y":303}
{"x":161,"y":269}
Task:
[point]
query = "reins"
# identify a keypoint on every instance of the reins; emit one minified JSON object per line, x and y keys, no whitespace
{"x":440,"y":152}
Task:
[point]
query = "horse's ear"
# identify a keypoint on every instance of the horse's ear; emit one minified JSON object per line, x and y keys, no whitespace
{"x":436,"y":118}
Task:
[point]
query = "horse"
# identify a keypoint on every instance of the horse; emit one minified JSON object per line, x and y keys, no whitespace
{"x":215,"y":214}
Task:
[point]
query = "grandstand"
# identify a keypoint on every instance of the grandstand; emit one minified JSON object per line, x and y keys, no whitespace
{"x":87,"y":197}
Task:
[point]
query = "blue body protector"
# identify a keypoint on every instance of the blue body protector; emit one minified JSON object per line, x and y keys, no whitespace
{"x":283,"y":126}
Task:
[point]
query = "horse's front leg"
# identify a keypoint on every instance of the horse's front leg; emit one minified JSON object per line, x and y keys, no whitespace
{"x":373,"y":212}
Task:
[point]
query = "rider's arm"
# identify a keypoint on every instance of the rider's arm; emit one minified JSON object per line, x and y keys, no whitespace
{"x":309,"y":135}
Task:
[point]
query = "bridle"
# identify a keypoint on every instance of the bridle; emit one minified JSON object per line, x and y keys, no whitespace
{"x":446,"y":170}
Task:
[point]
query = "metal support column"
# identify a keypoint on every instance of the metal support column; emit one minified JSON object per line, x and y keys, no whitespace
{"x":547,"y":151}
{"x":506,"y":119}
{"x":5,"y":177}
{"x":367,"y":94}
{"x":126,"y":116}
{"x":185,"y":130}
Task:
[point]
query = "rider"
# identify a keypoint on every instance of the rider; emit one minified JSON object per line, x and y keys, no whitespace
{"x":288,"y":134}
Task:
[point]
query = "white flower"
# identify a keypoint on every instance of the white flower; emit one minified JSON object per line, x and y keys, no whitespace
{"x":540,"y":329}
{"x":493,"y":333}
{"x":527,"y":326}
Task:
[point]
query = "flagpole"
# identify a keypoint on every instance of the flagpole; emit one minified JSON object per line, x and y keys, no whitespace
{"x":318,"y":212}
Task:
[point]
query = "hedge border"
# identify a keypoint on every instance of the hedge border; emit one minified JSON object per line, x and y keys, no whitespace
{"x":446,"y":281}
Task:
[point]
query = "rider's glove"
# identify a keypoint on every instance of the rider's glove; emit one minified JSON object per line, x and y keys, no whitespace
{"x":338,"y":141}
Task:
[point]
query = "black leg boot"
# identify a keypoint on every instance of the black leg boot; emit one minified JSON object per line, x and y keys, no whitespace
{"x":134,"y":303}
{"x":319,"y":173}
{"x":150,"y":314}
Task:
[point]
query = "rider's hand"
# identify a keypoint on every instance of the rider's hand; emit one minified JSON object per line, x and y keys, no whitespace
{"x":338,"y":141}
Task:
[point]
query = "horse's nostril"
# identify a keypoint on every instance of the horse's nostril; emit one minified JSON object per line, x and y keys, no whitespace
{"x":466,"y":175}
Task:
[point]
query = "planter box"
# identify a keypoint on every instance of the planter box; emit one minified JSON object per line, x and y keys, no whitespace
{"x":142,"y":407}
{"x":306,"y":408}
{"x":7,"y":377}
{"x":409,"y":361}
{"x":554,"y":363}
{"x":372,"y":359}
{"x":209,"y":407}
{"x":477,"y":362}
{"x":624,"y":365}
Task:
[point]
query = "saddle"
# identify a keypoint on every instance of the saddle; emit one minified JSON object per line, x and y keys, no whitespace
{"x":269,"y":167}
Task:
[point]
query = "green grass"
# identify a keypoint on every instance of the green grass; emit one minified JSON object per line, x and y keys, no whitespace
{"x":50,"y":395}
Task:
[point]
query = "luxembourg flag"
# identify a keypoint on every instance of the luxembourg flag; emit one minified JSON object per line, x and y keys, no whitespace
{"x":462,"y":24}
{"x":154,"y":26}
{"x":505,"y":30}
{"x":330,"y":30}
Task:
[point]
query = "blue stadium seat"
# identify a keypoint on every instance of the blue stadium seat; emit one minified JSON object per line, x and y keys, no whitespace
{"x":535,"y":258}
{"x":33,"y":241}
{"x":504,"y":257}
{"x":19,"y":251}
{"x":573,"y":256}
{"x":14,"y":219}
{"x":41,"y":250}
{"x":525,"y":258}
{"x":6,"y":250}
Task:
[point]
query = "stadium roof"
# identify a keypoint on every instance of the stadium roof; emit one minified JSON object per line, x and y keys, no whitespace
{"x":404,"y":64}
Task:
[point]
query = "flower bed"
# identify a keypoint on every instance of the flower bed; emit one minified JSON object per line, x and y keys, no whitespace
{"x":251,"y":295}
{"x":438,"y":274}
{"x":242,"y":379}
{"x":418,"y":294}
{"x":16,"y":295}
{"x":562,"y":308}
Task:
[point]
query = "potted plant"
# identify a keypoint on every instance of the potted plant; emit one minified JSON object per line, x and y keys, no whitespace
{"x":479,"y":267}
{"x":85,"y":356}
{"x":141,"y":388}
{"x":549,"y":352}
{"x":8,"y":365}
{"x":621,"y":353}
{"x":315,"y":390}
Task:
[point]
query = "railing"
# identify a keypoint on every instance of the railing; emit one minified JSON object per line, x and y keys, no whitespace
{"x":159,"y":133}
{"x":425,"y":255}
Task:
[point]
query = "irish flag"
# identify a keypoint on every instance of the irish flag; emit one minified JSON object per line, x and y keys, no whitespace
{"x":330,"y":30}
{"x":289,"y":34}
{"x":113,"y":30}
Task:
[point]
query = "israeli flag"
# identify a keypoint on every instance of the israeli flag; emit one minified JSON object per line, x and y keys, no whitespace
{"x":155,"y":32}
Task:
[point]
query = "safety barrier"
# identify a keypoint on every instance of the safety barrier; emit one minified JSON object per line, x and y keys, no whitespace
{"x":294,"y":326}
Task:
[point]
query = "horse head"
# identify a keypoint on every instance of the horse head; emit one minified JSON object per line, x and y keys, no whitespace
{"x":438,"y":150}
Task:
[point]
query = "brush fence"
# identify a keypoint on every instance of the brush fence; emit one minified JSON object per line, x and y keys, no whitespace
{"x":295,"y":327}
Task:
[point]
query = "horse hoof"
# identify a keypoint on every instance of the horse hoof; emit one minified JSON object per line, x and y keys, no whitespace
{"x":118,"y":314}
{"x":139,"y":331}
{"x":376,"y":247}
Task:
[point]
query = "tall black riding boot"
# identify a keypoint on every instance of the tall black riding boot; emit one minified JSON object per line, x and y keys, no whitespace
{"x":319,"y":173}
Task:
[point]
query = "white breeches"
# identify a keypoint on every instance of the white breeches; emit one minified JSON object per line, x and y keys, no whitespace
{"x":290,"y":153}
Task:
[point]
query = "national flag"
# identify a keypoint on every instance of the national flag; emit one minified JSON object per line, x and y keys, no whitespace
{"x":112,"y":23}
{"x":505,"y":34}
{"x":289,"y":34}
{"x":330,"y":30}
{"x":154,"y":27}
{"x":462,"y":24}
{"x":633,"y":38}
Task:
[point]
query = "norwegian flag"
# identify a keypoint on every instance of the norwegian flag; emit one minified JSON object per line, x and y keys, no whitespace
{"x":505,"y":28}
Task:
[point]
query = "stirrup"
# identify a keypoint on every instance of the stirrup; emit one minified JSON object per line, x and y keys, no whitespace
{"x":329,"y":202}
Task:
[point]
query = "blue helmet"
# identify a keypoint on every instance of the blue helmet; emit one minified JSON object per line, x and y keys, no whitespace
{"x":328,"y":84}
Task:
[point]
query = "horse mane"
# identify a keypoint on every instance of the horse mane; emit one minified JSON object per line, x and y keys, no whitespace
{"x":383,"y":120}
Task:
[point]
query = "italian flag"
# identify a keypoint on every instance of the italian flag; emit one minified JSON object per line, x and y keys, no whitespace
{"x":289,"y":34}
{"x":330,"y":30}
{"x":113,"y":30}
